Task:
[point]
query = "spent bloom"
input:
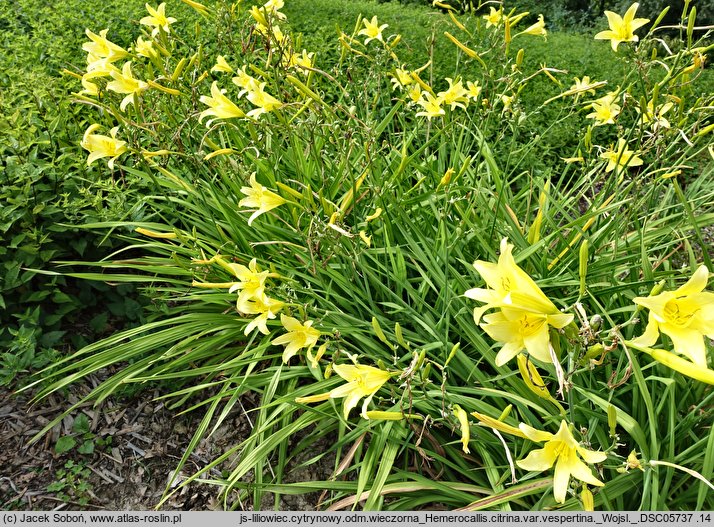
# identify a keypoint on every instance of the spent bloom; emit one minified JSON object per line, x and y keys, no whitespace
{"x":621,"y":158}
{"x":125,"y":82}
{"x":362,"y":381}
{"x":220,"y":106}
{"x":157,"y":19}
{"x":260,"y":198}
{"x":686,"y":316}
{"x":100,"y":146}
{"x":372,"y":30}
{"x":622,"y":28}
{"x":562,"y":450}
{"x":298,"y":336}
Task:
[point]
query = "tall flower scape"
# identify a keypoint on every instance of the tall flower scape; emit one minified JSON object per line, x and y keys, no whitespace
{"x":345,"y":230}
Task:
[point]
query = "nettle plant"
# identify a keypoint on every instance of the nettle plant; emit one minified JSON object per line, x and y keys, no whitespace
{"x":314,"y":233}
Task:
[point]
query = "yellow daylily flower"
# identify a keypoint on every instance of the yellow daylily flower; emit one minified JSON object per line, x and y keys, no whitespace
{"x":605,"y":110}
{"x":455,"y":96}
{"x":100,"y":146}
{"x":537,"y":29}
{"x":100,"y":68}
{"x":494,"y":17}
{"x":101,"y":48}
{"x":157,"y":19}
{"x":584,"y":86}
{"x":414,"y":94}
{"x":260,"y":198}
{"x":251,"y":283}
{"x":221,"y":65}
{"x":563,"y":451}
{"x":510,"y":287}
{"x":402,"y":78}
{"x":90,"y":88}
{"x":299,"y":60}
{"x":220,"y":106}
{"x":263,"y":100}
{"x":520,"y":330}
{"x":266,"y":308}
{"x":685,"y":316}
{"x":245,"y":82}
{"x":473,"y":90}
{"x":125,"y":82}
{"x":273,"y":7}
{"x":372,"y":30}
{"x":622,"y":28}
{"x":362,"y":381}
{"x":145,"y":48}
{"x":432,"y":105}
{"x":655,"y":116}
{"x":621,"y":158}
{"x":298,"y":336}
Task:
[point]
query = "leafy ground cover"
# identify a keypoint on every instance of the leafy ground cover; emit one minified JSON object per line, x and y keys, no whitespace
{"x":303,"y":212}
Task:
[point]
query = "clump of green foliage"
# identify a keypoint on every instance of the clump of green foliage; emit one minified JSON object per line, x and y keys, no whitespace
{"x":356,"y":231}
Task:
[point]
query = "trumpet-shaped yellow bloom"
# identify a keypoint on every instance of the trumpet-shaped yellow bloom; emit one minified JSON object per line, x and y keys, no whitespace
{"x":125,"y":82}
{"x":432,"y":105}
{"x":144,"y":48}
{"x":263,"y":100}
{"x":414,"y":93}
{"x":494,"y":17}
{"x":220,"y":106}
{"x":509,"y":286}
{"x":537,"y":29}
{"x":100,"y":146}
{"x":157,"y":19}
{"x":221,"y":65}
{"x":605,"y":110}
{"x":260,"y":198}
{"x":100,"y":68}
{"x":622,"y":28}
{"x":473,"y":90}
{"x":519,"y":330}
{"x":299,"y":60}
{"x":101,"y":48}
{"x":362,"y":381}
{"x":298,"y":336}
{"x":621,"y":158}
{"x":685,"y":316}
{"x":245,"y":82}
{"x":372,"y":30}
{"x":563,"y":451}
{"x":655,"y":116}
{"x":273,"y":8}
{"x":402,"y":78}
{"x":456,"y":95}
{"x":251,"y":282}
{"x":266,"y":308}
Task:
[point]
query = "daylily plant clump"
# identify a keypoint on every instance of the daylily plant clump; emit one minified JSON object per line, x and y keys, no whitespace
{"x":491,"y":317}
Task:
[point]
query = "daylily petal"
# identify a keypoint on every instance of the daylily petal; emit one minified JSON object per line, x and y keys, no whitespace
{"x":582,"y":472}
{"x":538,"y":460}
{"x":534,"y":434}
{"x":561,"y":478}
{"x":687,"y":342}
{"x":696,"y":283}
